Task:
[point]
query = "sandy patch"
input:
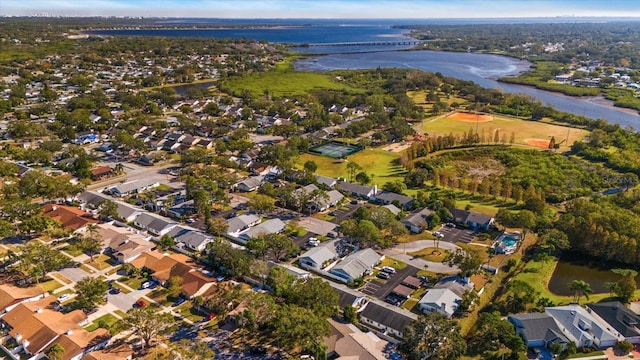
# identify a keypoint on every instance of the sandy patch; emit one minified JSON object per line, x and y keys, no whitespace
{"x":469,"y":117}
{"x":539,"y":143}
{"x":397,"y":147}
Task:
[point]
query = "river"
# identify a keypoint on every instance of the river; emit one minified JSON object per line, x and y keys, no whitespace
{"x":483,"y":69}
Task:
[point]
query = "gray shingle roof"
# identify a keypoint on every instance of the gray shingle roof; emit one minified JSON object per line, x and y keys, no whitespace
{"x":239,"y":222}
{"x":386,"y":317}
{"x":358,"y":263}
{"x":270,"y":226}
{"x":535,"y":326}
{"x":618,"y":316}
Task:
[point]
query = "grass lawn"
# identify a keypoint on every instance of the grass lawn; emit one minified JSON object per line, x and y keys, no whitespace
{"x":87,"y":269}
{"x":50,"y":285}
{"x":114,"y":270}
{"x":523,"y":129}
{"x":382,"y":165}
{"x":72,"y":250}
{"x":285,"y":83}
{"x":431,"y":254}
{"x":428,"y":273}
{"x":107,"y":319}
{"x":581,"y":355}
{"x":61,"y":278}
{"x":120,"y":313}
{"x":187,"y":311}
{"x":397,"y":264}
{"x":133,"y":283}
{"x":99,"y":262}
{"x":410,"y":304}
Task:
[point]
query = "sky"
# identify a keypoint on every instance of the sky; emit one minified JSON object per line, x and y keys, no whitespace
{"x":416,"y":9}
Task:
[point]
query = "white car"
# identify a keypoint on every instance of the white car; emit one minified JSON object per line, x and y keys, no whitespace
{"x":64,"y":297}
{"x":438,"y":234}
{"x":388,"y":269}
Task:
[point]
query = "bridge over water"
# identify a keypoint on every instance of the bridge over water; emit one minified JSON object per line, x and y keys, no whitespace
{"x":364,"y":43}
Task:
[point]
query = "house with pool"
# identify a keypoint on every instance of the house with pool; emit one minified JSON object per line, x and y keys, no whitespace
{"x":507,"y":243}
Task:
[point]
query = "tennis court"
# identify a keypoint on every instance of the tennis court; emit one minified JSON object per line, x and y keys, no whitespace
{"x":335,"y":149}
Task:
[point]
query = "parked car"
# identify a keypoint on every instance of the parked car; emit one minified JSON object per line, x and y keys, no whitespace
{"x":114,"y":291}
{"x":313,"y":242}
{"x":438,"y":234}
{"x":389,"y":269}
{"x":354,"y":202}
{"x":384,"y":275}
{"x":64,"y":297}
{"x":179,"y":302}
{"x":139,"y":304}
{"x":451,"y":225}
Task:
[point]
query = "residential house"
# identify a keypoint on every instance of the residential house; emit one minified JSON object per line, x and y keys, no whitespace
{"x":326,"y":181}
{"x":538,"y":329}
{"x":36,"y":327}
{"x":475,"y":220}
{"x":163,"y":267}
{"x":190,"y":238}
{"x":85,"y":137}
{"x":622,"y":322}
{"x":186,"y":208}
{"x":69,"y":217}
{"x":131,"y":187}
{"x":154,"y":224}
{"x":402,"y":291}
{"x":356,"y":265}
{"x":356,"y":190}
{"x":11,"y":296}
{"x":250,"y":184}
{"x":259,"y":169}
{"x":394,"y":209}
{"x":387,"y":197}
{"x":101,"y":172}
{"x":412,"y":282}
{"x":441,"y":300}
{"x":271,"y":226}
{"x":348,"y":342}
{"x":318,"y":258}
{"x":241,"y":223}
{"x":388,"y":319}
{"x":580,"y":327}
{"x":123,"y":244}
{"x":321,"y":203}
{"x":417,"y":221}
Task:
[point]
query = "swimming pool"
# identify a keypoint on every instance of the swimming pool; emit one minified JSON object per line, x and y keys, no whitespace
{"x":509,"y":241}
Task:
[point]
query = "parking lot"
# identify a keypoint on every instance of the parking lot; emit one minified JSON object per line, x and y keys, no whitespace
{"x":452,"y":234}
{"x":381,"y":288}
{"x":341,"y":215}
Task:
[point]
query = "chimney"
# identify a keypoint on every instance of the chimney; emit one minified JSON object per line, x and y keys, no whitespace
{"x":39,"y":311}
{"x":69,"y":332}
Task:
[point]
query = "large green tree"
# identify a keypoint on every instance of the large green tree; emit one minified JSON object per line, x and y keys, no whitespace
{"x":432,"y":336}
{"x":90,"y":292}
{"x":147,"y":323}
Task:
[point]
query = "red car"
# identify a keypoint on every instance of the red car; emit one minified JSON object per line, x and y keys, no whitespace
{"x":139,"y":304}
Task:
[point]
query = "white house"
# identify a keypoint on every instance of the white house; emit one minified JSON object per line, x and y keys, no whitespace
{"x":580,"y":327}
{"x":442,"y":300}
{"x":356,"y":265}
{"x":319,"y":257}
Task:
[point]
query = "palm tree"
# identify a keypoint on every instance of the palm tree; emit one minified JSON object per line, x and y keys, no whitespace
{"x":612,"y":286}
{"x":119,"y":168}
{"x":580,"y":287}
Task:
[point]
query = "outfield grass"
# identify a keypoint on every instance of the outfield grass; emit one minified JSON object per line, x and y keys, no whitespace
{"x":523,"y":129}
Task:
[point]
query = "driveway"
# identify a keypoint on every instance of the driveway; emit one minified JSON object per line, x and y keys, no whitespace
{"x":453,"y":235}
{"x":74,"y":274}
{"x":122,"y":301}
{"x":401,"y":251}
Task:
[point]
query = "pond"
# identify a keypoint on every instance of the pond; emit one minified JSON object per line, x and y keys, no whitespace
{"x":182,"y":89}
{"x":566,"y":272}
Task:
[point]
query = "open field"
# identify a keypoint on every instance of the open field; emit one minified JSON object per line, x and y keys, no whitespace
{"x":381,"y":164}
{"x":285,"y":83}
{"x":527,"y":133}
